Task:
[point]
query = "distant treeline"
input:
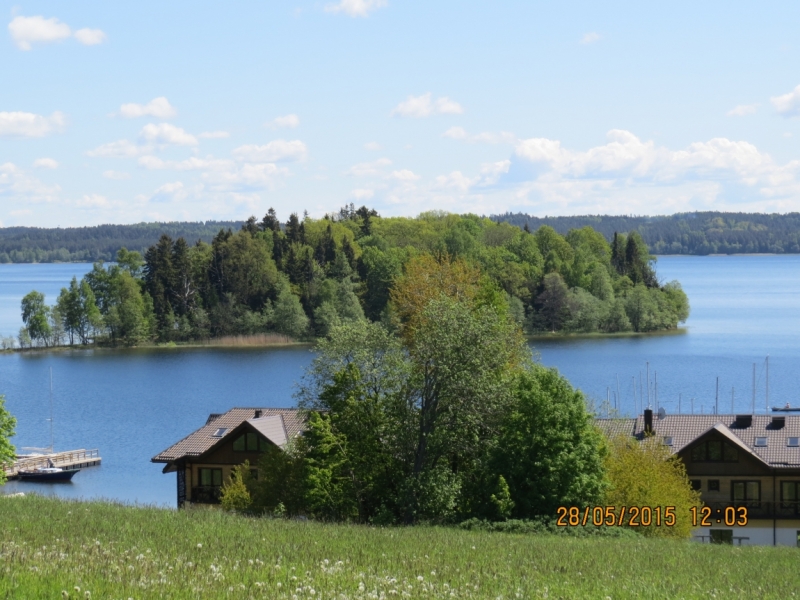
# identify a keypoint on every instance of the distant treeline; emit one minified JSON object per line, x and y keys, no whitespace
{"x":100,"y":243}
{"x":687,"y":233}
{"x":684,"y":233}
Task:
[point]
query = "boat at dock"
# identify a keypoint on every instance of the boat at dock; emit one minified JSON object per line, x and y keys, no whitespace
{"x":70,"y":461}
{"x":48,"y":474}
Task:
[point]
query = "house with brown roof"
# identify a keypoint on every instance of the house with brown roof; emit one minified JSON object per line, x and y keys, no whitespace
{"x":203,"y":459}
{"x":737,"y":462}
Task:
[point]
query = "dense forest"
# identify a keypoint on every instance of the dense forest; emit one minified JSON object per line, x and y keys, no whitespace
{"x":688,"y":233}
{"x":91,"y":244}
{"x":302,"y":277}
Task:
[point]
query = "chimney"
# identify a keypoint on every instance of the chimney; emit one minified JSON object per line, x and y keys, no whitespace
{"x":648,"y":421}
{"x":258,"y":413}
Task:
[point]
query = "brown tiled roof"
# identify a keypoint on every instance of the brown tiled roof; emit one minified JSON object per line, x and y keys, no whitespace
{"x":200,"y":441}
{"x":684,"y":429}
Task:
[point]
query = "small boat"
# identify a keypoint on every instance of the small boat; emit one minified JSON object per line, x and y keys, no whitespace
{"x":46,"y":474}
{"x":787,"y":408}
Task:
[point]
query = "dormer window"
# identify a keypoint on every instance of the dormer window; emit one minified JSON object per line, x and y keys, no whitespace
{"x":761,"y":442}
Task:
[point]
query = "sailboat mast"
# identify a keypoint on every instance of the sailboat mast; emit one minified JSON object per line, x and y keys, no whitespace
{"x":52,"y":447}
{"x":766,"y":402}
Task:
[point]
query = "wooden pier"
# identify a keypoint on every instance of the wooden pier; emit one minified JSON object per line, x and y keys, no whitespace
{"x":71,"y":459}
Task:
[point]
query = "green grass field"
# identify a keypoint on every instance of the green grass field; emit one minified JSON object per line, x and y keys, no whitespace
{"x":55,"y":549}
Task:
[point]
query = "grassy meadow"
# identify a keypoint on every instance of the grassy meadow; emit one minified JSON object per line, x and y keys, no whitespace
{"x":57,"y":549}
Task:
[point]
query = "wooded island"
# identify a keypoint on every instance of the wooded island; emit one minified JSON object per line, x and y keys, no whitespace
{"x":302,"y":277}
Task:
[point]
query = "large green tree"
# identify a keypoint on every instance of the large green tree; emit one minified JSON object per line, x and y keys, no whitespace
{"x":78,"y":311}
{"x":35,"y":316}
{"x":548,"y":449}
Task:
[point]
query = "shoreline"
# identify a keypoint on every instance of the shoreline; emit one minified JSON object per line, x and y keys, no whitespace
{"x":245,"y":344}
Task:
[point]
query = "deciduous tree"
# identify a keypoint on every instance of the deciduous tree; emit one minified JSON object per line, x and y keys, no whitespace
{"x":7,"y":450}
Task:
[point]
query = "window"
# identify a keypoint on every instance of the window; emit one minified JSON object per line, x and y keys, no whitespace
{"x":793,"y":442}
{"x":696,"y":484}
{"x":721,"y":536}
{"x":715,"y":451}
{"x":790,"y":494}
{"x":254,"y":474}
{"x":250,"y":442}
{"x":761,"y":442}
{"x":713,"y":485}
{"x":210,"y":477}
{"x":746,"y":492}
{"x":668,"y":440}
{"x":219,"y":432}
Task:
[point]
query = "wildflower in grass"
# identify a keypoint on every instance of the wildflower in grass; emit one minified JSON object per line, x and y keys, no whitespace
{"x":64,"y":594}
{"x":77,"y":589}
{"x":420,"y":578}
{"x":199,"y":545}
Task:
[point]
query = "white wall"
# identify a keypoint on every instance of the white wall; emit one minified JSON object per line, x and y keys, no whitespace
{"x":760,"y":533}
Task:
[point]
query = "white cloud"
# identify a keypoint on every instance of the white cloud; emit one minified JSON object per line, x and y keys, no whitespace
{"x":356,"y":8}
{"x":425,"y":106}
{"x":372,"y":146}
{"x":214,"y":135}
{"x":165,"y":133}
{"x":168,"y":192}
{"x":487,"y":137}
{"x":491,"y":172}
{"x":362,"y":194}
{"x":90,"y":37}
{"x":455,"y":180}
{"x":116,"y":175}
{"x":368,"y":168}
{"x":286,"y":121}
{"x":742,"y":110}
{"x":223,"y":174}
{"x":788,"y":105}
{"x":456,"y":133}
{"x":404,"y":175}
{"x":590,"y":38}
{"x":19,"y":188}
{"x":26,"y":31}
{"x":159,"y":108}
{"x":190,"y":164}
{"x":119,"y":149}
{"x":25,"y":124}
{"x":247,"y":177}
{"x":45,"y":163}
{"x":92,"y":201}
{"x":630,"y":175}
{"x":274,"y":151}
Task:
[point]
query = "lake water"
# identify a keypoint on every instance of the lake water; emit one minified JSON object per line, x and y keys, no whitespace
{"x":131,"y":404}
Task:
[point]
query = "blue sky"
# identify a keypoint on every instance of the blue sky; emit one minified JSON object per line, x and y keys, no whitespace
{"x":179,"y":110}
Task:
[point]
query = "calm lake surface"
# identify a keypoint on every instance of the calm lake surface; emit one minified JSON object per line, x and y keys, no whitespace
{"x":131,"y":404}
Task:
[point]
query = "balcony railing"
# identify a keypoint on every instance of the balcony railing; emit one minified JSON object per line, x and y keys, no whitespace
{"x":786,"y":509}
{"x":206,"y":494}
